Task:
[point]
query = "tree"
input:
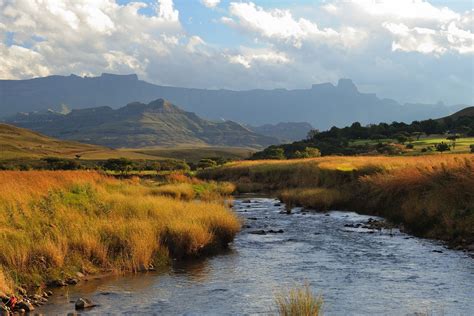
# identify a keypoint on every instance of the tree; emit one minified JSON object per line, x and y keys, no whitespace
{"x":312,"y":134}
{"x":206,"y":163}
{"x":472,"y":148}
{"x":121,"y":165}
{"x":453,"y":138}
{"x":308,"y":152}
{"x":442,"y":147}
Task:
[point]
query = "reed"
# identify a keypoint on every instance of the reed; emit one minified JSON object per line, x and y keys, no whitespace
{"x":54,"y":223}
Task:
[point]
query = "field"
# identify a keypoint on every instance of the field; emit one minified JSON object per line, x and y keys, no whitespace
{"x":431,"y":196}
{"x":462,"y":145}
{"x":56,"y":223}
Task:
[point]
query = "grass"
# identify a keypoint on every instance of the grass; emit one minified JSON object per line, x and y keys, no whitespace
{"x":298,"y":302}
{"x":462,"y":145}
{"x":432,"y":196}
{"x":55,"y":223}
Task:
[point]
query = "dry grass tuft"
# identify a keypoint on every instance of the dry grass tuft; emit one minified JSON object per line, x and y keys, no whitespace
{"x":298,"y":302}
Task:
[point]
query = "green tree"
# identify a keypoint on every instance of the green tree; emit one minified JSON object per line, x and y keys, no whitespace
{"x":442,"y":147}
{"x":122,"y":165}
{"x":206,"y":163}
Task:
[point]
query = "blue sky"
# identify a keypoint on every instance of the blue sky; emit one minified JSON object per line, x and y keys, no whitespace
{"x":408,"y":50}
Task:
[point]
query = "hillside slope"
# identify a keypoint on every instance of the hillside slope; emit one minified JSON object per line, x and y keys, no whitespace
{"x":18,"y":142}
{"x":323,"y":105}
{"x":136,"y":125}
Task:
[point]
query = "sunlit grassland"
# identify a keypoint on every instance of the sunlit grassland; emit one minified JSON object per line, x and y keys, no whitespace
{"x":461,"y":145}
{"x":55,"y":223}
{"x":432,"y":196}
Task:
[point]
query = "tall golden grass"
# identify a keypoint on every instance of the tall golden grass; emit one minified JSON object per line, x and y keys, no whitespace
{"x":433,"y":196}
{"x":298,"y":302}
{"x":57,"y":222}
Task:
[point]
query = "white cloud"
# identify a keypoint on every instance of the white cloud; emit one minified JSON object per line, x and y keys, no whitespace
{"x":210,"y":3}
{"x":248,"y":58}
{"x":280,"y":25}
{"x":415,"y":25}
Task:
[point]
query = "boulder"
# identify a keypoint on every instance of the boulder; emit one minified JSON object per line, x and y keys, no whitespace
{"x":83,"y":303}
{"x":25,"y":305}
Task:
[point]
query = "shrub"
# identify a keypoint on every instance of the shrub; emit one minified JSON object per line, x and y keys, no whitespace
{"x":472,"y":148}
{"x":298,"y":302}
{"x":206,"y":163}
{"x":409,"y":146}
{"x":121,"y":165}
{"x":442,"y":147}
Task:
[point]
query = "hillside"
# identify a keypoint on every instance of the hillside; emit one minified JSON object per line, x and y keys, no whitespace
{"x":323,"y":105}
{"x":18,"y":142}
{"x":454,"y":133}
{"x":284,"y":131}
{"x":466,"y":112}
{"x":137,"y":125}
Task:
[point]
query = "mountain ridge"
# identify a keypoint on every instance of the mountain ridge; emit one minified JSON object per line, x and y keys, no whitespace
{"x":322,"y":105}
{"x":136,"y":125}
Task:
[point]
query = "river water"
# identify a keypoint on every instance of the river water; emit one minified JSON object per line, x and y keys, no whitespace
{"x":357,"y":271}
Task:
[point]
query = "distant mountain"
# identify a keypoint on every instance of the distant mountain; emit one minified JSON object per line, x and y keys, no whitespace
{"x":135,"y":125}
{"x":284,"y":131}
{"x":324,"y":105}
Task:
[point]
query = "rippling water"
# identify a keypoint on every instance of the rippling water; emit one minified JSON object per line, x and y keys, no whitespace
{"x":357,"y":271}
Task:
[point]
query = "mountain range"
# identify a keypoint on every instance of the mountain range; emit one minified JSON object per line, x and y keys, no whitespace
{"x":137,"y":125}
{"x":323,"y":105}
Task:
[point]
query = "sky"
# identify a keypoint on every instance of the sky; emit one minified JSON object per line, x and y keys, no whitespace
{"x":407,"y":50}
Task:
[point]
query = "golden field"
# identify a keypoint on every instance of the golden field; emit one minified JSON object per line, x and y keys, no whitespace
{"x":432,"y":196}
{"x":56,"y":223}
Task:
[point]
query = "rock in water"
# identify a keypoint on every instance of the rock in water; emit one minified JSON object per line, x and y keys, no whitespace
{"x":26,"y":306}
{"x":83,"y":303}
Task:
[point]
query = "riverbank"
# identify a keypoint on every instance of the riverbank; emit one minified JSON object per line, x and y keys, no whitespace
{"x":56,"y":225}
{"x":430,"y":196}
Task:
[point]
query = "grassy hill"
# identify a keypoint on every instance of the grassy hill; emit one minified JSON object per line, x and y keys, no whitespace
{"x":21,"y":143}
{"x":137,"y":125}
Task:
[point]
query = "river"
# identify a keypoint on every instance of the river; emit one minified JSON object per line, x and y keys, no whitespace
{"x":357,"y":271}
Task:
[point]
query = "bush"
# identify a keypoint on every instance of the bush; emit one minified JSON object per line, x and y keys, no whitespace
{"x":54,"y":163}
{"x":409,"y":146}
{"x":308,"y":152}
{"x":121,"y":165}
{"x":442,"y":147}
{"x":472,"y":148}
{"x":206,"y":163}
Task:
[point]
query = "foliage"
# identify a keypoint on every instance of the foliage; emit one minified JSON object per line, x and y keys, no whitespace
{"x":442,"y":147}
{"x":375,"y":138}
{"x":206,"y":163}
{"x":54,"y":163}
{"x":118,"y":164}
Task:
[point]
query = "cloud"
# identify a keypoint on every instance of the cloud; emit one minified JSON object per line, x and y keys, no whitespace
{"x":249,"y":57}
{"x":280,"y":25}
{"x":210,"y":3}
{"x":413,"y":25}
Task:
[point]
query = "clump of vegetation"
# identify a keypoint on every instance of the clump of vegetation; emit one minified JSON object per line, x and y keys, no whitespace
{"x":298,"y":302}
{"x":53,"y":224}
